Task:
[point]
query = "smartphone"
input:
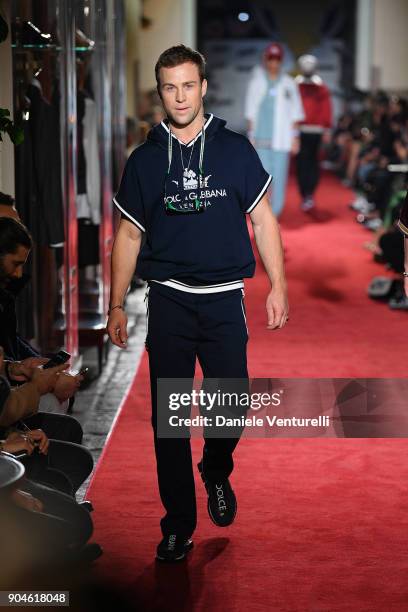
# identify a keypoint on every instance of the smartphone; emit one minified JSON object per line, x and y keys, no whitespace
{"x":57,"y":359}
{"x":19,"y":454}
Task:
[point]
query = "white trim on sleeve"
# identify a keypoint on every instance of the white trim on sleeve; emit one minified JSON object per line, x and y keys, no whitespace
{"x":139,"y":225}
{"x":261,"y":193}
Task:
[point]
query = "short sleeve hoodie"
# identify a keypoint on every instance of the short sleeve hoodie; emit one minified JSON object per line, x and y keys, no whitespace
{"x":198,"y":252}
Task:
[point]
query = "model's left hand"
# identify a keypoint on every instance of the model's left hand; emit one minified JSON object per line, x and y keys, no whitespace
{"x":277,"y":307}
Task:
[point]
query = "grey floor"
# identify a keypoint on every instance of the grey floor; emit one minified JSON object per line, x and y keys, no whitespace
{"x":97,"y":405}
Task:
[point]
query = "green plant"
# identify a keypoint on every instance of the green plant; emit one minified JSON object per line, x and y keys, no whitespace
{"x":7,"y":126}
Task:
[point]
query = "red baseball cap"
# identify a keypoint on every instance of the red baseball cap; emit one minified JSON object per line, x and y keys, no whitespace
{"x":274,"y":51}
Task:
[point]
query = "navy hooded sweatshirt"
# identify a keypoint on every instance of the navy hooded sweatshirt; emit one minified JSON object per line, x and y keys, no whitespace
{"x":197,"y":252}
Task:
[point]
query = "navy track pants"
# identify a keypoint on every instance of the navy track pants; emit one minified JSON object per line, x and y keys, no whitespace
{"x":181,"y":328}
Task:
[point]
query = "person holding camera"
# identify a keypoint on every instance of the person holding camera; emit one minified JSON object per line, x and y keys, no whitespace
{"x":22,"y":402}
{"x":60,"y":464}
{"x":40,"y":525}
{"x":189,"y":188}
{"x":15,"y":247}
{"x":22,"y":360}
{"x":63,"y":466}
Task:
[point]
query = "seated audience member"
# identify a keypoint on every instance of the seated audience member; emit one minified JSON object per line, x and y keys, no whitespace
{"x":60,"y":465}
{"x":403,"y":217}
{"x":40,"y":526}
{"x":63,"y":465}
{"x":15,"y":246}
{"x":22,"y":402}
{"x":24,"y":399}
{"x":372,"y":145}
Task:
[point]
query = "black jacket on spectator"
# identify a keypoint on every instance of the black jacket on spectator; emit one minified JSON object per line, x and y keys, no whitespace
{"x":4,"y":391}
{"x":403,"y":220}
{"x":15,"y":348}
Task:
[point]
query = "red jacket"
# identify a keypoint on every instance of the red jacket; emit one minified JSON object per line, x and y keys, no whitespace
{"x":316,"y":101}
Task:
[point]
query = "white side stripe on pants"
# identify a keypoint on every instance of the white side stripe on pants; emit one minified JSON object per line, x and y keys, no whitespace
{"x":147,"y":309}
{"x":243,"y":310}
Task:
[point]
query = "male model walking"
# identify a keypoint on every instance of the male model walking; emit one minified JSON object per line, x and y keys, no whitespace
{"x":188,"y":188}
{"x":317,"y":124}
{"x":273,"y":109}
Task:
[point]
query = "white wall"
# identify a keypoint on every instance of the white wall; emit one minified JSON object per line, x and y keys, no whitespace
{"x":133,"y":10}
{"x":364,"y":43}
{"x":390,"y":49}
{"x":382,"y":45}
{"x":173,"y":22}
{"x":6,"y":101}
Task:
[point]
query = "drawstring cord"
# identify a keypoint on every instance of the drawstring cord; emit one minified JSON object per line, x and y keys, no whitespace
{"x":170,"y":151}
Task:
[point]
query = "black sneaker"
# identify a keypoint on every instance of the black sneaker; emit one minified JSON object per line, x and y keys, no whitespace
{"x":222,"y":503}
{"x":173,"y":548}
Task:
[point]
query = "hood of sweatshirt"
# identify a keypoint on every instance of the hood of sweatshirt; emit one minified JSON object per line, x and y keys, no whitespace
{"x":159,"y":134}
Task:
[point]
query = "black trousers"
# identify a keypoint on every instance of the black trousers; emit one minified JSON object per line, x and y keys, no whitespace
{"x":183,"y":327}
{"x":307,"y":163}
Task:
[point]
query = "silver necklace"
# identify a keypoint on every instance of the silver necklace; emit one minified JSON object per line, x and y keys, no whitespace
{"x":185,"y":170}
{"x":170,"y":152}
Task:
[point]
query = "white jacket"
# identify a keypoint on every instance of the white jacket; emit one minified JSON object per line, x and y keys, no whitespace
{"x":288,"y":109}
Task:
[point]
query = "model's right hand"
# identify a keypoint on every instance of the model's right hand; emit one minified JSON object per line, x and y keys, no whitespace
{"x":45,"y":380}
{"x":117,"y":327}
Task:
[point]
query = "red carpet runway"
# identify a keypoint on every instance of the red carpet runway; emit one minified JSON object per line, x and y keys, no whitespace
{"x":322,"y":525}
